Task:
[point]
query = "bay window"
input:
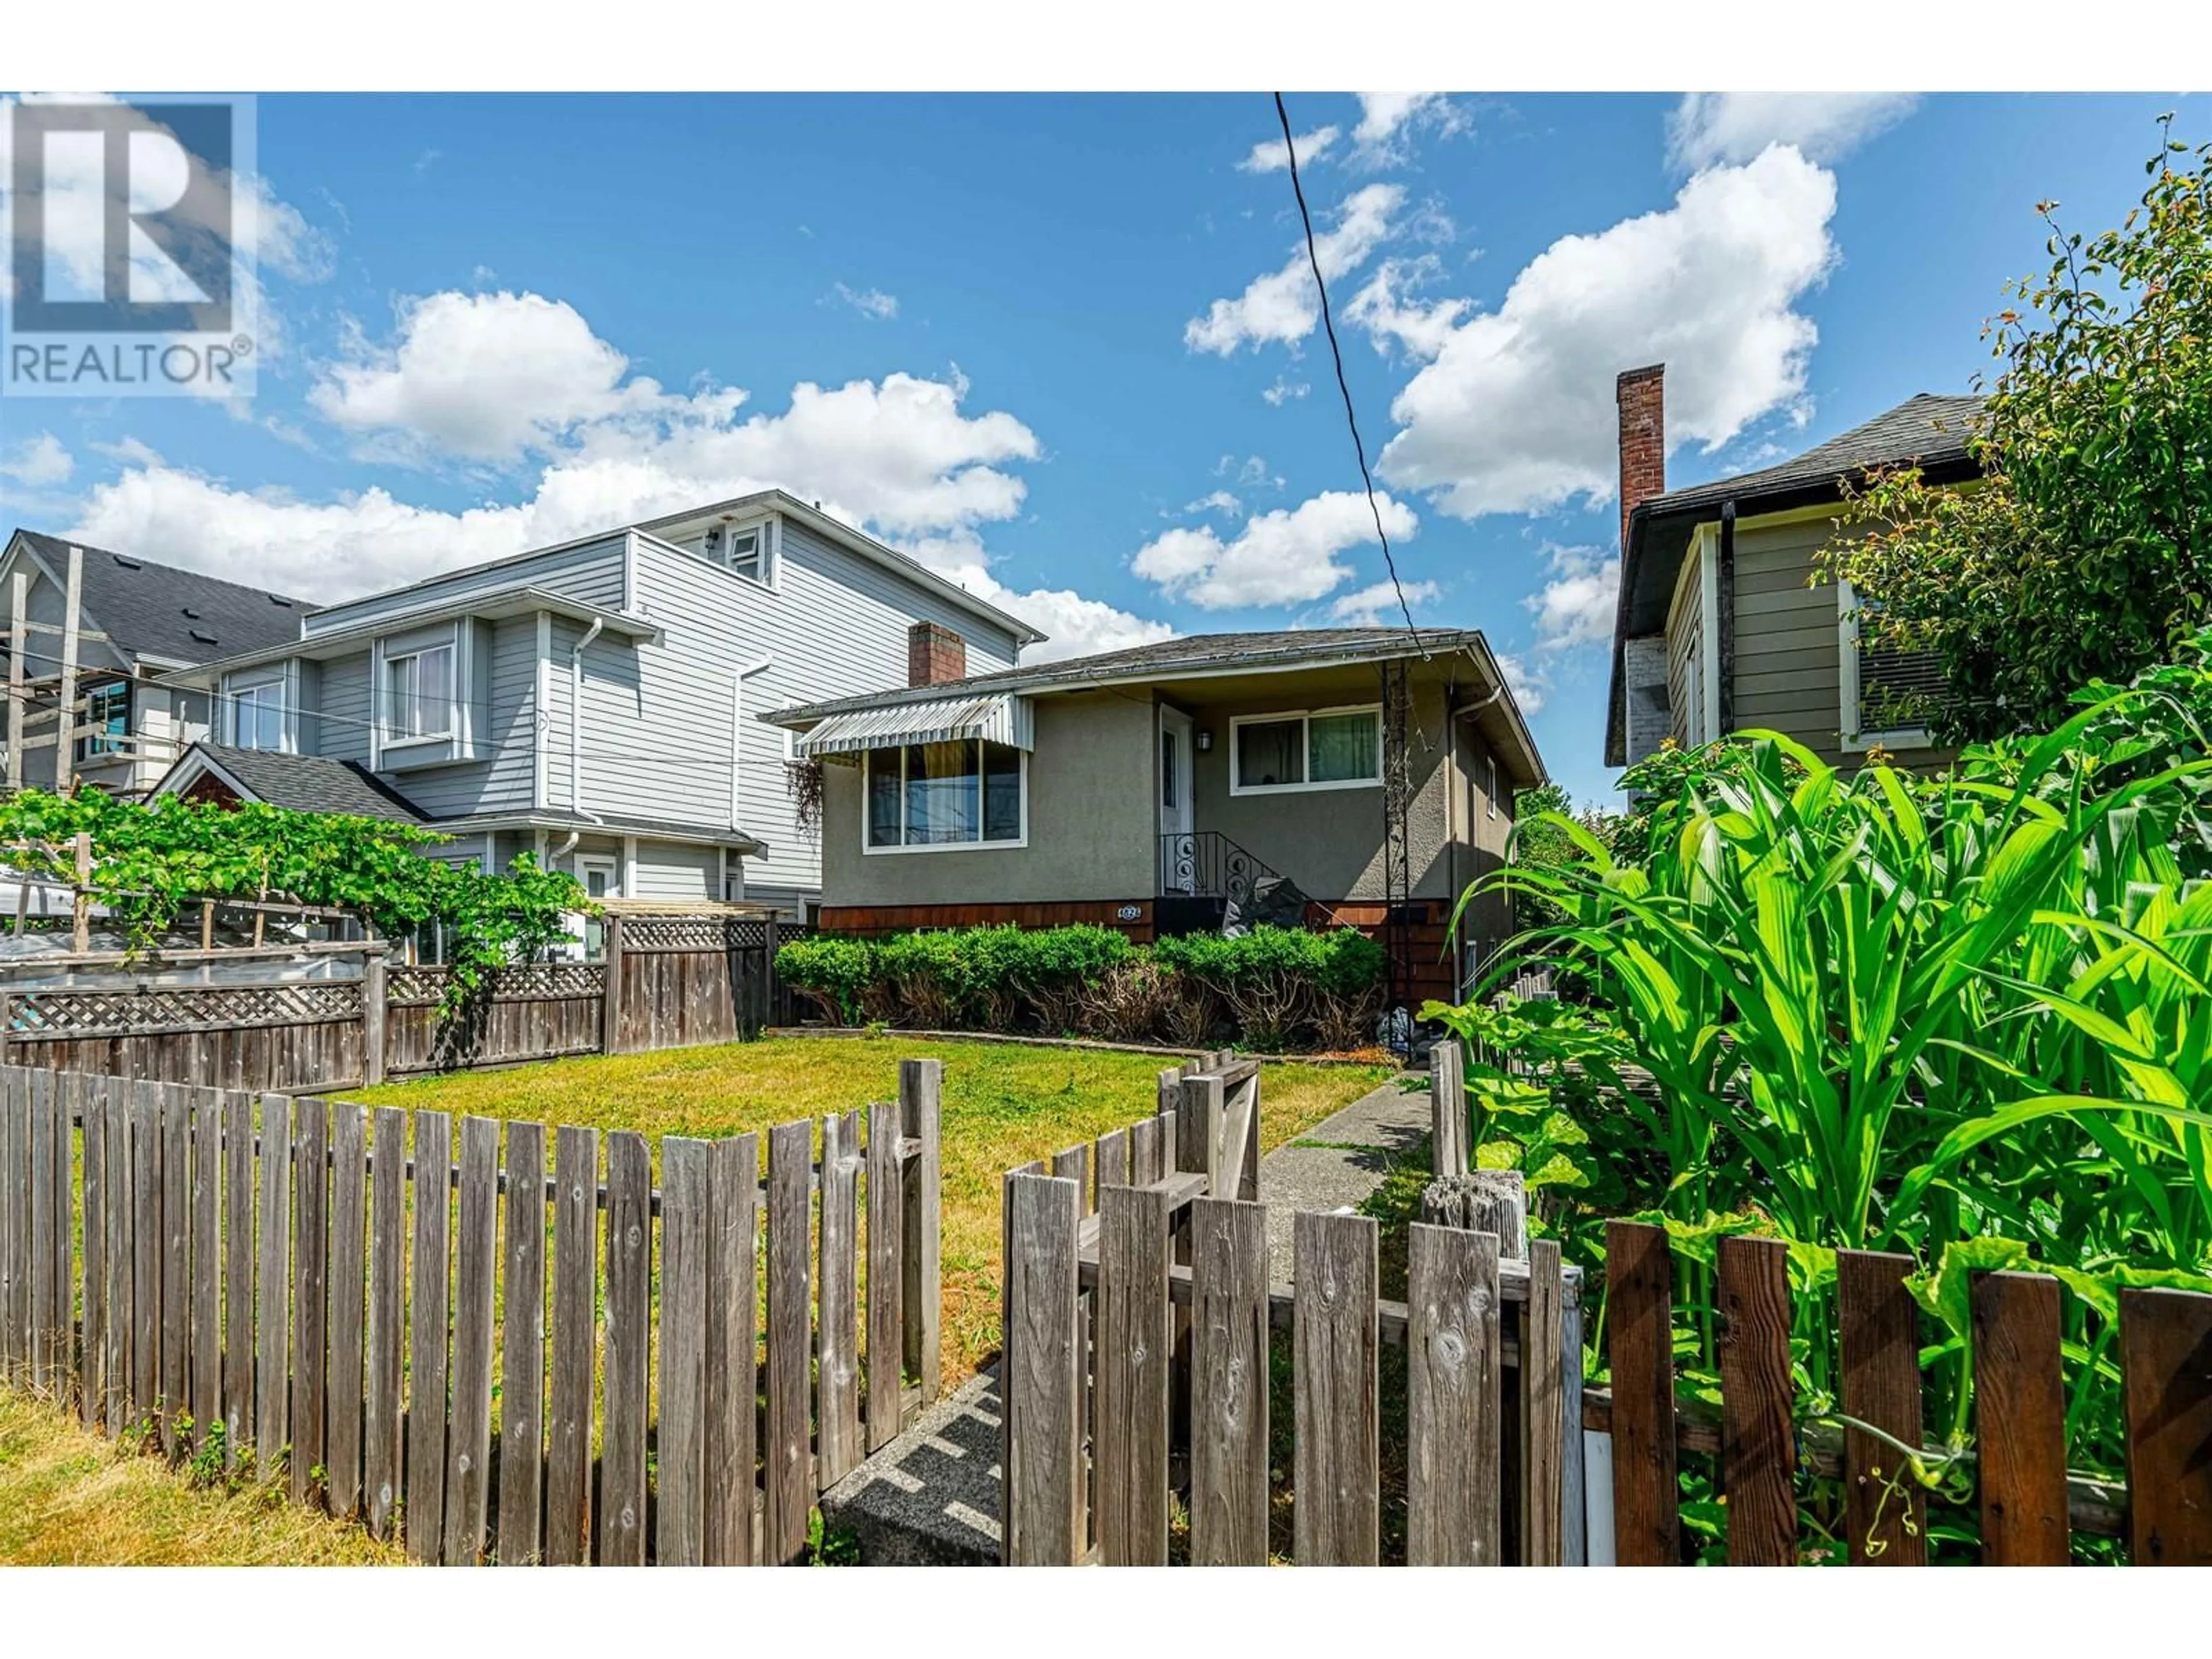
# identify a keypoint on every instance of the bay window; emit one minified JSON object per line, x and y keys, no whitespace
{"x":966,"y":793}
{"x":1316,"y":748}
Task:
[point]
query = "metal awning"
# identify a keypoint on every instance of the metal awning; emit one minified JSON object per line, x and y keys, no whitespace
{"x":1004,"y":718}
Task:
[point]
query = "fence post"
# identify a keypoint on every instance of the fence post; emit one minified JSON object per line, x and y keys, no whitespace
{"x":610,"y":1007}
{"x":1640,"y":1341}
{"x":1042,"y":1524}
{"x":921,"y":1084}
{"x":1448,"y":1127}
{"x":374,"y":1013}
{"x":81,"y":899}
{"x":768,"y":987}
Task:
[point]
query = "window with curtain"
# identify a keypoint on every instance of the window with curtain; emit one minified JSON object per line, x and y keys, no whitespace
{"x":419,"y":692}
{"x":961,"y":793}
{"x":1332,"y":749}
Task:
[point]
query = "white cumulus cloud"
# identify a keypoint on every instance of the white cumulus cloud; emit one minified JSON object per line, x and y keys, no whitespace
{"x":1516,"y":414}
{"x":1282,"y":306}
{"x":37,"y":462}
{"x":1576,"y":605}
{"x":1387,"y":309}
{"x":1707,"y":128}
{"x":1288,"y":556}
{"x":1271,"y":155}
{"x":1378,"y":607}
{"x":1388,"y":121}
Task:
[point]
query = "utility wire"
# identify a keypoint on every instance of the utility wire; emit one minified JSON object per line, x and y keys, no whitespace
{"x":1336,"y":354}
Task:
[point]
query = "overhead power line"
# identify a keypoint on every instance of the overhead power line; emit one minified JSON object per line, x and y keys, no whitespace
{"x":1344,"y":387}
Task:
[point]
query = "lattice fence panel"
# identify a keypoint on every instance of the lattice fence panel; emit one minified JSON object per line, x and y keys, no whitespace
{"x":536,"y":981}
{"x":653,"y":934}
{"x":171,"y":1008}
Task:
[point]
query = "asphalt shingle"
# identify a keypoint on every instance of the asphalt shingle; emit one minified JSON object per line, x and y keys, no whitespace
{"x":159,"y":610}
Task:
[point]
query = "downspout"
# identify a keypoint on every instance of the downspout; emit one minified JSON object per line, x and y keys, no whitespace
{"x":577,"y":725}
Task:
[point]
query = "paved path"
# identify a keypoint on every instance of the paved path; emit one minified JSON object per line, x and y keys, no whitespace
{"x":931,"y":1496}
{"x":1338,"y":1162}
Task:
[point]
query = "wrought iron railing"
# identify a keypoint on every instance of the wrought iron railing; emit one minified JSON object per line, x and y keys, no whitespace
{"x":1207,"y":864}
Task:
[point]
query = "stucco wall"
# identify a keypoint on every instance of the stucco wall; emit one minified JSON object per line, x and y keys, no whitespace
{"x":1092,"y":826}
{"x":1329,"y":842}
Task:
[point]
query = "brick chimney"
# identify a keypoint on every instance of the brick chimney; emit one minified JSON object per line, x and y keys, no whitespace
{"x":1641,"y":395}
{"x":935,"y":654}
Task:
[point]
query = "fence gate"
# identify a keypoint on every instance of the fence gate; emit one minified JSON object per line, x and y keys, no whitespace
{"x":1141,"y":1338}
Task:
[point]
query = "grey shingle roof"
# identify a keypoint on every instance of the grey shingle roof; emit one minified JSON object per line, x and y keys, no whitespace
{"x":313,"y":783}
{"x":1165,"y":658}
{"x":159,"y":610}
{"x":1930,"y":427}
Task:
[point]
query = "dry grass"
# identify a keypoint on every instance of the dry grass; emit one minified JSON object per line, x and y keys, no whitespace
{"x":1004,"y":1105}
{"x":70,"y":1498}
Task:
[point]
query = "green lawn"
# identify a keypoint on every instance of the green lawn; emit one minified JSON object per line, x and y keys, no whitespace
{"x":1004,"y":1105}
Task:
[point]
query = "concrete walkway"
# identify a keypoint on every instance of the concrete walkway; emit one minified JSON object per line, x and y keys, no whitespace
{"x":1338,"y":1162}
{"x":931,"y":1497}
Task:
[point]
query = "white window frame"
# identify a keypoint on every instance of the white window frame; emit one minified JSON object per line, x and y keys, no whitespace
{"x":396,"y":735}
{"x":240,"y":697}
{"x":867,"y":771}
{"x":1853,"y":739}
{"x":588,"y":862}
{"x":767,"y":557}
{"x":1305,"y":717}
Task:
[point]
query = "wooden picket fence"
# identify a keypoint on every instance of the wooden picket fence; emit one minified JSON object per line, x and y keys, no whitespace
{"x":263,"y":1272}
{"x":1138,"y":1318}
{"x":2030,"y":1504}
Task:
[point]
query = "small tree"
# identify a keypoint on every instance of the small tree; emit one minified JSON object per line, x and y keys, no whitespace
{"x":2085,"y":551}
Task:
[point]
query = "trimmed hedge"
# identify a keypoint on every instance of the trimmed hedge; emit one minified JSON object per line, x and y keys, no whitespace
{"x":1274,"y":987}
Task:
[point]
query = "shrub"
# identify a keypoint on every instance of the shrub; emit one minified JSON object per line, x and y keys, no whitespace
{"x":1280,"y":981}
{"x":830,"y":970}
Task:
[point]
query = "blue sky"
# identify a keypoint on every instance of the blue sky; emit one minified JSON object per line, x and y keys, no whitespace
{"x":1034,"y":340}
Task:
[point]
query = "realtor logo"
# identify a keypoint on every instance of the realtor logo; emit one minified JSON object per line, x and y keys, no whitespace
{"x":130,"y":248}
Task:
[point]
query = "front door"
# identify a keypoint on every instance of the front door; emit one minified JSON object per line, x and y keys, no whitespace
{"x":1178,"y":870}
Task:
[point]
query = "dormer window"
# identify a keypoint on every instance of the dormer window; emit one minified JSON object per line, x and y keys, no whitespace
{"x":747,"y":550}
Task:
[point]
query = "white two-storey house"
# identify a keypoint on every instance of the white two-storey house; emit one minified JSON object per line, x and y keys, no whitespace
{"x":598,"y":702}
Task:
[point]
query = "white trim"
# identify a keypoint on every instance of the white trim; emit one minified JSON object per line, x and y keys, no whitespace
{"x":629,"y":867}
{"x":1304,"y":717}
{"x":1489,"y":783}
{"x":867,"y":765}
{"x":1849,"y":735}
{"x":629,"y":571}
{"x":587,"y":862}
{"x":1709,"y":632}
{"x":542,"y":718}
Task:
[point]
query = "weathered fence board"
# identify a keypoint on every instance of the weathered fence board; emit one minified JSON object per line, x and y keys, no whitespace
{"x":731,"y":1426}
{"x":575,"y":1316}
{"x":146,"y":1249}
{"x":522,"y":1350}
{"x":1546,"y":1426}
{"x":310,"y":1304}
{"x":1759,"y":1440}
{"x":1335,"y":1503}
{"x":2165,"y":1365}
{"x":2020,"y":1413}
{"x":790,"y":1150}
{"x":476,"y":1254}
{"x":837,"y":1373}
{"x":1639,"y":1317}
{"x":348,"y":1272}
{"x":1133,"y":1349}
{"x":238,"y":1259}
{"x":206,"y":1261}
{"x":887,"y":1303}
{"x":622,"y":1535}
{"x":49,"y":1222}
{"x":429,"y":1319}
{"x":91,"y":1382}
{"x":15,"y":1229}
{"x":1228,"y":1383}
{"x":383,"y":1447}
{"x":176,"y":1264}
{"x":922,"y":1088}
{"x":1877,"y":1326}
{"x":1455,"y":1386}
{"x":680,"y":1519}
{"x":1042,"y":1510}
{"x":117,"y":1306}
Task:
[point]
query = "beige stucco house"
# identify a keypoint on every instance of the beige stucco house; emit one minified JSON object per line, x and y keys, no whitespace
{"x":1721,"y":626}
{"x":1167,"y":787}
